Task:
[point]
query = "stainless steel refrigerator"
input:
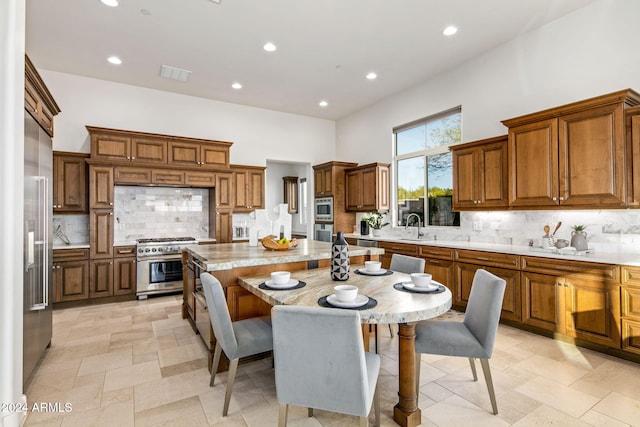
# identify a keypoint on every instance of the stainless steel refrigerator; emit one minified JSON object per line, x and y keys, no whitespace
{"x":38,"y":248}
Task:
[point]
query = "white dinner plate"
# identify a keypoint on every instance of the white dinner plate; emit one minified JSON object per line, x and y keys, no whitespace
{"x":432,"y":287}
{"x":372,"y":273}
{"x":290,"y":284}
{"x":358,"y":302}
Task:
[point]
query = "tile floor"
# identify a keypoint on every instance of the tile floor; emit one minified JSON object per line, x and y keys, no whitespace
{"x":138,"y":363}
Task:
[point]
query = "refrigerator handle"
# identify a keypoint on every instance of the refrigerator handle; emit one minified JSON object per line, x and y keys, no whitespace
{"x":45,"y":245}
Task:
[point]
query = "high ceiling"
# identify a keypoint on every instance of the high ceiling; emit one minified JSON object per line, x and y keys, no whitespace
{"x":325,"y":48}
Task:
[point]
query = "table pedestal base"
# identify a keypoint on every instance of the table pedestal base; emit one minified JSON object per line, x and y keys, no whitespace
{"x":406,"y":412}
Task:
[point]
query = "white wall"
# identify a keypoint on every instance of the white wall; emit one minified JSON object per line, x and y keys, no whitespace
{"x":590,"y":52}
{"x":257,"y":133}
{"x":275,"y":189}
{"x":12,"y":18}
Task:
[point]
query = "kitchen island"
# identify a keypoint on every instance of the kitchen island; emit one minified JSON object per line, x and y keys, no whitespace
{"x":229,"y":261}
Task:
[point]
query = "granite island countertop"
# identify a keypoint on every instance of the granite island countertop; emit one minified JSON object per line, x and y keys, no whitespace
{"x":226,"y":256}
{"x":620,"y":257}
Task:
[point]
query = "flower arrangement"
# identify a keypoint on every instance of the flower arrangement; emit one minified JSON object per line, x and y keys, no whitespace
{"x":374,"y":219}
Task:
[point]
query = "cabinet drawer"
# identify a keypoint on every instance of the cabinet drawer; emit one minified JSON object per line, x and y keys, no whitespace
{"x":159,"y":176}
{"x":124,"y":251}
{"x":606,"y":272}
{"x":631,"y":336}
{"x":631,"y":301}
{"x":399,"y":248}
{"x":488,"y":258}
{"x":631,"y":275}
{"x":126,"y":175}
{"x":70,"y":254}
{"x":436,"y":252}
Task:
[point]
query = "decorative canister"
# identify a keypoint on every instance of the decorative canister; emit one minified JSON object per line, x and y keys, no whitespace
{"x":579,"y":240}
{"x":364,"y":228}
{"x":339,"y":258}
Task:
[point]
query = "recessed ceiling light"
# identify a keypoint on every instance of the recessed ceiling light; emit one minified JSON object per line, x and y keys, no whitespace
{"x":236,"y":85}
{"x":323,"y":103}
{"x":270,"y":47}
{"x":114,"y":60}
{"x":372,"y":76}
{"x":450,"y":30}
{"x":110,"y":3}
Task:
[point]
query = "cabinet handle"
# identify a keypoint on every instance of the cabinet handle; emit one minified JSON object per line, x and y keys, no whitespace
{"x":433,"y":261}
{"x":482,"y":258}
{"x":111,"y":213}
{"x":110,"y":203}
{"x":133,"y":158}
{"x":554,"y":198}
{"x":561,"y":198}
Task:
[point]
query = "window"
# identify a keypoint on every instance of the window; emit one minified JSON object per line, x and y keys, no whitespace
{"x":424,"y":169}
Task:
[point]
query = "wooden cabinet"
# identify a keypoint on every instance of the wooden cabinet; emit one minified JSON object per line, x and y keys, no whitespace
{"x":119,"y":146}
{"x":70,"y":184}
{"x":38,"y":101}
{"x":439,"y":263}
{"x":224,"y":191}
{"x":391,"y":248}
{"x":224,"y":226}
{"x":70,"y":275}
{"x":101,"y":282}
{"x":124,"y":275}
{"x":633,"y":156}
{"x":367,"y":188}
{"x":630,"y":310}
{"x":224,"y":197}
{"x":101,"y":233}
{"x":577,"y":299}
{"x":290,"y":192}
{"x":571,"y":156}
{"x":329,"y":181}
{"x":244,"y":305}
{"x":323,"y":181}
{"x":100,"y":187}
{"x":505,"y":266}
{"x":199,"y":179}
{"x":131,"y":175}
{"x":480,"y":174}
{"x":167,"y":177}
{"x":249,"y":188}
{"x":195,"y":154}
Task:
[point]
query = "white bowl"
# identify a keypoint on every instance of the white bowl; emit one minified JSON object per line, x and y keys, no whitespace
{"x":421,"y":279}
{"x":345,"y":293}
{"x":372,"y":266}
{"x":280,"y":277}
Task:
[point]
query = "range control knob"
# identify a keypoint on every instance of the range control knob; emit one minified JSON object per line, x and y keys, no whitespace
{"x":147,"y":250}
{"x":159,"y":249}
{"x":153,"y":249}
{"x":140,"y":250}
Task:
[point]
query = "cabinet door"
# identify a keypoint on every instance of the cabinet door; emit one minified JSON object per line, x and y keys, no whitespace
{"x":69,"y":184}
{"x":148,"y":150}
{"x":631,"y":335}
{"x":71,"y":280}
{"x":244,"y":305}
{"x":540,"y":301}
{"x":592,"y":157}
{"x":353,"y":190}
{"x":492,"y":179}
{"x":131,"y":175}
{"x":633,"y":156}
{"x":100,"y":187}
{"x":464,"y":181}
{"x":442,"y":271}
{"x":224,"y":191}
{"x":224,"y":226}
{"x":110,"y":147}
{"x":241,"y":191}
{"x":167,"y":177}
{"x":592,"y":311}
{"x":213,"y":156}
{"x":533,"y":173}
{"x":256,"y":181}
{"x":101,"y":278}
{"x":101,"y":233}
{"x":124,"y":277}
{"x":183,"y":153}
{"x":199,"y":179}
{"x":317,"y":182}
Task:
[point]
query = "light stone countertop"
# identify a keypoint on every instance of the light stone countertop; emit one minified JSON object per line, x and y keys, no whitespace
{"x":393,"y":306}
{"x":226,"y":256}
{"x":619,"y":257}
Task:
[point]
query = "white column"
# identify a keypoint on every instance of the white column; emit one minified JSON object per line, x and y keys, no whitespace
{"x":12,"y":35}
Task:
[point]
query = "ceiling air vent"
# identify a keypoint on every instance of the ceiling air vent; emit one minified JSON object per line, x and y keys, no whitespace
{"x":174,"y":73}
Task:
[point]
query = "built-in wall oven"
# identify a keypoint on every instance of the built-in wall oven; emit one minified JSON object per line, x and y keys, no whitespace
{"x":323,"y":232}
{"x":323,"y":209}
{"x":159,"y":263}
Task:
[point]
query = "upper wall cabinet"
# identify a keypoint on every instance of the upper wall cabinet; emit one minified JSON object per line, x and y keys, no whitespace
{"x":571,"y":156}
{"x":633,"y":156}
{"x":249,"y":184}
{"x":367,"y":188}
{"x":480,"y":174}
{"x":153,"y":149}
{"x":37,"y":99}
{"x":70,"y":186}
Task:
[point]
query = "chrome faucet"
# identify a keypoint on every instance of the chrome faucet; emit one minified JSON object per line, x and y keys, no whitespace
{"x":420,"y":233}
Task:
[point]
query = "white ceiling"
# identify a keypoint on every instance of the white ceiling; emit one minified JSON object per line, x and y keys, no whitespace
{"x":325,"y":47}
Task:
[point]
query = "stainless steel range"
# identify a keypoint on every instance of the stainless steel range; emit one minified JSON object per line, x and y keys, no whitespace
{"x":160,"y":265}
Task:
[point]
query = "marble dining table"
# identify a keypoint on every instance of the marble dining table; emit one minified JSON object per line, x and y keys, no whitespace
{"x":393,"y":306}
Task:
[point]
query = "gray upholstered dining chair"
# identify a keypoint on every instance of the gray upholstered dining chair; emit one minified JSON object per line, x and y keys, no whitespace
{"x":320,"y":362}
{"x":474,"y":337}
{"x":237,"y":339}
{"x":405,"y":264}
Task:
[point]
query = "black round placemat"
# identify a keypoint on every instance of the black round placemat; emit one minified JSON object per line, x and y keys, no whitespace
{"x":386,"y":273}
{"x":322,"y":302}
{"x":300,"y":284}
{"x":398,"y":286}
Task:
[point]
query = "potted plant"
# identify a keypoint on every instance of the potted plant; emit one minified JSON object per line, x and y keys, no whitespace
{"x":374,"y":219}
{"x":579,"y":238}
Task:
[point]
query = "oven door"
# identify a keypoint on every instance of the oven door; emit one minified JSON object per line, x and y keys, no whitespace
{"x":323,"y":232}
{"x":324,"y":209}
{"x":159,"y":275}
